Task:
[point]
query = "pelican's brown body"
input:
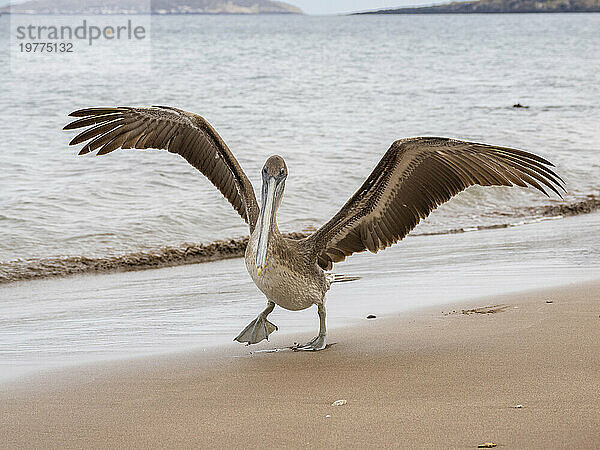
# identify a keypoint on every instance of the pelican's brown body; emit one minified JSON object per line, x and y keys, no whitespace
{"x":291,"y":279}
{"x":413,"y":178}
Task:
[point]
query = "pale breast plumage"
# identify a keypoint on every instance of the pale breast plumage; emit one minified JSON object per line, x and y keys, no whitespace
{"x":291,"y":289}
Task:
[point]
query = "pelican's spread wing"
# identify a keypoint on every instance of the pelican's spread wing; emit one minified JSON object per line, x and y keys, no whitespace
{"x":414,"y":177}
{"x":177,"y":131}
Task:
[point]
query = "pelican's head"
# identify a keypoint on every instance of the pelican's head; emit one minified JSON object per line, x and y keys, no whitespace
{"x":274,"y":174}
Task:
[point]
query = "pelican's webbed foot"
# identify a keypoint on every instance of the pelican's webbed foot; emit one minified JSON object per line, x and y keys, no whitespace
{"x":318,"y":343}
{"x":259,"y":329}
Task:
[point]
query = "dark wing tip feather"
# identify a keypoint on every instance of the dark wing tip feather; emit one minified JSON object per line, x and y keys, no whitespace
{"x":548,"y":176}
{"x":84,"y":151}
{"x":558,"y":177}
{"x":531,"y":166}
{"x":96,"y":111}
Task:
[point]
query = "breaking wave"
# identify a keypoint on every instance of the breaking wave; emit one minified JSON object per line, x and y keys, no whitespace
{"x":29,"y":269}
{"x":532,"y":215}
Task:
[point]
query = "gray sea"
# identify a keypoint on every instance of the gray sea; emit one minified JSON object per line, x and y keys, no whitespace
{"x":329,"y":94}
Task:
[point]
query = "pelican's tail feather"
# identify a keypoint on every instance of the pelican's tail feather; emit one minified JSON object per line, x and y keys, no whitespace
{"x":340,"y":278}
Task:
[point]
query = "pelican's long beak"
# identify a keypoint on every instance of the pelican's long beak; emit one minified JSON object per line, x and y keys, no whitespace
{"x":267,"y":213}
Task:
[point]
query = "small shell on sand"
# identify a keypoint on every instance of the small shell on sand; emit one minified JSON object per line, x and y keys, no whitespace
{"x":487,"y":445}
{"x":339,"y":403}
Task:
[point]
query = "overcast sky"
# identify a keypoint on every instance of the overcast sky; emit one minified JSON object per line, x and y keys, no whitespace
{"x":331,"y":6}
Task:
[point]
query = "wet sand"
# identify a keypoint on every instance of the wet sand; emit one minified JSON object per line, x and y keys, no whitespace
{"x":436,"y":377}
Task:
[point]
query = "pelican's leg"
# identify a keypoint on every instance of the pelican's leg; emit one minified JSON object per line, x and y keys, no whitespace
{"x":317,"y":343}
{"x":259,"y":329}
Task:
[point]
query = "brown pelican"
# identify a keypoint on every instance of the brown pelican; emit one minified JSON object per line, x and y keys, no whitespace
{"x":413,"y":178}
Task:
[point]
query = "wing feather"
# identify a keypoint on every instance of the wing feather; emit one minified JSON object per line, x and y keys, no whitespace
{"x":414,"y":177}
{"x":177,"y":131}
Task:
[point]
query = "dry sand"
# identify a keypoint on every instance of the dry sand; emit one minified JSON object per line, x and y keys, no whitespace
{"x":430,"y":378}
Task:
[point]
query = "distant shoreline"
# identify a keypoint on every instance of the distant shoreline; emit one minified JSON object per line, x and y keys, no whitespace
{"x":497,"y":7}
{"x":465,"y":13}
{"x":160,"y":7}
{"x":146,"y":14}
{"x":415,"y":13}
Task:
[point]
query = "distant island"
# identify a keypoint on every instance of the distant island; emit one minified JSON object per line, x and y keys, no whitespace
{"x":499,"y":6}
{"x":151,"y":7}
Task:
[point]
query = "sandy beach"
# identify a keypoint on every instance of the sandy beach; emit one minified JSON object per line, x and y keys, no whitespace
{"x":121,"y":278}
{"x":448,"y":376}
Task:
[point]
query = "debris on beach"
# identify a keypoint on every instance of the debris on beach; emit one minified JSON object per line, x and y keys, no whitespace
{"x":327,"y":416}
{"x":485,"y":310}
{"x":371,"y":316}
{"x":518,"y":105}
{"x":549,"y":301}
{"x":339,"y":403}
{"x":487,"y":445}
{"x":519,"y":406}
{"x":268,"y":350}
{"x":297,"y":344}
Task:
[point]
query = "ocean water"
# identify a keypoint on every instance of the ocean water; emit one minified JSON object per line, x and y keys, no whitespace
{"x":329,"y":94}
